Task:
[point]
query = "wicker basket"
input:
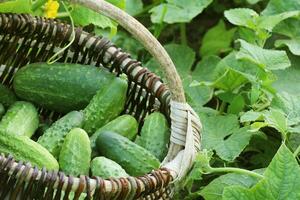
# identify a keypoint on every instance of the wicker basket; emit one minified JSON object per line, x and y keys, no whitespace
{"x":25,"y":39}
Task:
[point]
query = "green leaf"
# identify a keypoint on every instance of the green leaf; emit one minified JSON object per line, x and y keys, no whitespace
{"x":289,"y":79}
{"x":119,"y":3}
{"x":289,"y":104}
{"x":17,"y":6}
{"x":279,"y":6}
{"x":292,"y":44}
{"x":217,"y":40}
{"x":182,"y":56}
{"x":268,"y":59}
{"x":224,"y":135}
{"x":251,"y":116}
{"x":242,"y":17}
{"x":196,"y":95}
{"x":204,"y":70}
{"x":282,"y":181}
{"x":237,"y":105}
{"x":83,"y":16}
{"x":270,"y":21}
{"x":277,"y":120}
{"x":214,"y":190}
{"x":134,"y":7}
{"x":178,"y":11}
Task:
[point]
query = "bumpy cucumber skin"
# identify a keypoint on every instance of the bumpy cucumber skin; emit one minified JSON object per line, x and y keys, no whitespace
{"x":106,"y":105}
{"x":7,"y":97}
{"x":155,"y":135}
{"x":54,"y":136}
{"x":125,"y":125}
{"x":75,"y":155}
{"x":24,"y":149}
{"x":106,"y":168}
{"x":20,"y":119}
{"x":133,"y":158}
{"x":60,"y":87}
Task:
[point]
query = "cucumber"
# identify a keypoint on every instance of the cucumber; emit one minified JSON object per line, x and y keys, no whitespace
{"x":155,"y":135}
{"x":106,"y":168}
{"x":53,"y":138}
{"x":2,"y":110}
{"x":133,"y":158}
{"x":60,"y":87}
{"x":7,"y":97}
{"x":106,"y":105}
{"x":24,"y":149}
{"x":20,"y":119}
{"x":75,"y":155}
{"x":125,"y":125}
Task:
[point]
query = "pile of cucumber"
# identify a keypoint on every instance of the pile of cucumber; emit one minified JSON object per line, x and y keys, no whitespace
{"x":91,"y":137}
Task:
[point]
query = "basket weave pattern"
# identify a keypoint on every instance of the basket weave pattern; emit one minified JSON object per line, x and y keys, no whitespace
{"x":25,"y":39}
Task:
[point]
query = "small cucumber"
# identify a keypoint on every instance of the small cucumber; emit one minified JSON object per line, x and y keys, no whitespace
{"x":23,"y":148}
{"x":75,"y":155}
{"x":125,"y":125}
{"x":53,"y":138}
{"x":61,"y":87}
{"x":106,"y":105}
{"x":20,"y":119}
{"x":155,"y":135}
{"x":106,"y":168}
{"x":133,"y":158}
{"x":7,"y":97}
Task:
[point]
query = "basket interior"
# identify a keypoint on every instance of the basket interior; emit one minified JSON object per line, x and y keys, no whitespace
{"x":24,"y":40}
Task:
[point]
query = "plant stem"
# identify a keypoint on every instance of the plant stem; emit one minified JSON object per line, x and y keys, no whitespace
{"x":236,"y":170}
{"x":222,"y":107}
{"x":183,"y":34}
{"x":160,"y":26}
{"x":62,"y":14}
{"x":297,"y":151}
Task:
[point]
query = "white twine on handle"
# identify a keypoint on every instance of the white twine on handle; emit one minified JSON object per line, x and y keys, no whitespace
{"x":185,"y":131}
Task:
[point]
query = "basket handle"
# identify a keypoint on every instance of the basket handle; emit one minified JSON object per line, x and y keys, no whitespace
{"x":144,"y":36}
{"x":185,"y":138}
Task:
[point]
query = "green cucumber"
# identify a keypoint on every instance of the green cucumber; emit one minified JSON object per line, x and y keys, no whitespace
{"x":75,"y":155}
{"x":21,"y":119}
{"x":106,"y":105}
{"x":24,"y":149}
{"x":133,"y":158}
{"x":54,"y":136}
{"x":106,"y":168}
{"x":125,"y":125}
{"x":7,"y":97}
{"x":60,"y":87}
{"x":155,"y":135}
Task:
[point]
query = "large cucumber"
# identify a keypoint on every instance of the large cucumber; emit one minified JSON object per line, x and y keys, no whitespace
{"x":60,"y":87}
{"x":24,"y":149}
{"x":7,"y":97}
{"x":106,"y":105}
{"x":155,"y":135}
{"x":125,"y":125}
{"x":106,"y":168}
{"x":75,"y":155}
{"x":53,"y":138}
{"x":133,"y":158}
{"x":20,"y":119}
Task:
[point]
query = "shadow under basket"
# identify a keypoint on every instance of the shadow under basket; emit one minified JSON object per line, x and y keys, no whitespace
{"x":26,"y":39}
